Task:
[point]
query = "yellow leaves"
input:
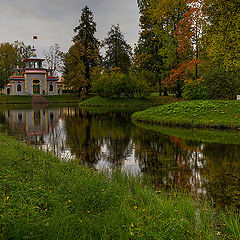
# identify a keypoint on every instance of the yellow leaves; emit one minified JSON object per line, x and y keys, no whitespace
{"x":162,"y":10}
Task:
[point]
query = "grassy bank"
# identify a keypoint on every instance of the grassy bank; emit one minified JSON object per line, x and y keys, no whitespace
{"x":6,"y":99}
{"x":128,"y":102}
{"x":66,"y":98}
{"x":213,"y":114}
{"x":43,"y":198}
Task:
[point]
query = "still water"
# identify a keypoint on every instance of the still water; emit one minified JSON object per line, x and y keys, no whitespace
{"x":205,"y":162}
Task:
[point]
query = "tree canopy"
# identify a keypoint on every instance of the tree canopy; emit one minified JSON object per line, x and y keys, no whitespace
{"x":87,"y":42}
{"x":8,"y":61}
{"x":74,"y":72}
{"x":54,"y":58}
{"x":118,"y":51}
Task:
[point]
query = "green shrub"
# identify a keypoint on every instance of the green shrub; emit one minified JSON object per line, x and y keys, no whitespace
{"x":116,"y":84}
{"x":195,"y":90}
{"x":221,"y":83}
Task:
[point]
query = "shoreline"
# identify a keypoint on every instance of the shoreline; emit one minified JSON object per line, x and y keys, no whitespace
{"x":42,"y":194}
{"x":127,"y":102}
{"x":216,"y":114}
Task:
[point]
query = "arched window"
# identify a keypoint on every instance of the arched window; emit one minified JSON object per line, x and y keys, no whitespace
{"x":50,"y":88}
{"x":19,"y":88}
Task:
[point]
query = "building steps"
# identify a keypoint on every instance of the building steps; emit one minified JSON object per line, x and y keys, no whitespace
{"x":39,"y":99}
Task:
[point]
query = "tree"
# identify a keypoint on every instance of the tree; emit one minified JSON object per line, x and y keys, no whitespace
{"x":223,"y":39}
{"x":166,"y":14}
{"x":74,"y":70}
{"x":189,"y":31}
{"x":54,"y":58}
{"x":87,"y":44}
{"x":8,"y":61}
{"x":118,"y":51}
{"x":146,"y":53}
{"x":23,"y":52}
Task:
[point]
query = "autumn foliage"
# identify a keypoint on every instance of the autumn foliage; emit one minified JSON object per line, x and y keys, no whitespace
{"x":188,"y":36}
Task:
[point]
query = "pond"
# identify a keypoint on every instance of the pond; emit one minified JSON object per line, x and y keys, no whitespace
{"x":205,"y":162}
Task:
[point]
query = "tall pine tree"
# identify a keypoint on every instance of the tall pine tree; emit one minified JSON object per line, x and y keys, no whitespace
{"x":118,"y":51}
{"x":88,"y":44}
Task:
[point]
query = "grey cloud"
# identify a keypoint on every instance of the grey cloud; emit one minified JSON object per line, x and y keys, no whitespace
{"x":54,"y":20}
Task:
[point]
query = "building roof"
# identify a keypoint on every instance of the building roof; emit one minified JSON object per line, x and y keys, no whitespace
{"x":17,"y":78}
{"x":33,"y":59}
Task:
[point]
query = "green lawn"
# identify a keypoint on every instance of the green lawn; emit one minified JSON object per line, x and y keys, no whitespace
{"x":6,"y":99}
{"x":45,"y":198}
{"x":199,"y":113}
{"x":66,"y":98}
{"x":128,"y":102}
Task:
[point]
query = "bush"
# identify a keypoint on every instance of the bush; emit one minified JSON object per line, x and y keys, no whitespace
{"x":116,"y":84}
{"x":221,"y":83}
{"x":195,"y":90}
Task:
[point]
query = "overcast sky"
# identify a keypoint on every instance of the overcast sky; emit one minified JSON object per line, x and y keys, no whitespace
{"x":53,"y":21}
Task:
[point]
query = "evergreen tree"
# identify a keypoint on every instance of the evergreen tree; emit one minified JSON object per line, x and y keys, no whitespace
{"x":87,"y":43}
{"x":118,"y":51}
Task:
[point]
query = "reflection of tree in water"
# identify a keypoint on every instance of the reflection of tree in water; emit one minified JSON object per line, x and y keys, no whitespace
{"x":223,"y":173}
{"x":169,"y":160}
{"x":78,"y":127}
{"x":112,"y":139}
{"x":2,"y":117}
{"x":94,"y":137}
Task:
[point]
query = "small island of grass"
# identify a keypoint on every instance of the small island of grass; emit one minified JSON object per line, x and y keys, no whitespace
{"x":199,"y":113}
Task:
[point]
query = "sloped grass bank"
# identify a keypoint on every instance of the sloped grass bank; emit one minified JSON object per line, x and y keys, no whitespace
{"x":211,"y":113}
{"x":128,"y":102}
{"x":44,"y":198}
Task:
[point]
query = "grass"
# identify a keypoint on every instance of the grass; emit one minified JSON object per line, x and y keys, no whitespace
{"x":199,"y":113}
{"x":6,"y":99}
{"x":66,"y":98}
{"x":195,"y":134}
{"x":128,"y":102}
{"x":44,"y":198}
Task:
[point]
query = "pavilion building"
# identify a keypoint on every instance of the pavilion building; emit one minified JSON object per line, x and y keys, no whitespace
{"x":33,"y":79}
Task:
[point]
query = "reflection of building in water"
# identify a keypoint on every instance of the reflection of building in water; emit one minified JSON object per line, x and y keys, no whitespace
{"x":43,"y":127}
{"x":33,"y":122}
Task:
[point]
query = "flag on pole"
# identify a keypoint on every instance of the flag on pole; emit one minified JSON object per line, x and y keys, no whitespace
{"x":35,"y":37}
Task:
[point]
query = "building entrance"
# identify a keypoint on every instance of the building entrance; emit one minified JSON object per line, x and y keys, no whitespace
{"x":36,"y":89}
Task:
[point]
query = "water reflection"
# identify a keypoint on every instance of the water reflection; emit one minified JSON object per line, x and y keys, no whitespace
{"x":110,"y":140}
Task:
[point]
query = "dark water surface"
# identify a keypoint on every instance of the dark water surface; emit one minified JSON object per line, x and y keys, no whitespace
{"x":203,"y":162}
